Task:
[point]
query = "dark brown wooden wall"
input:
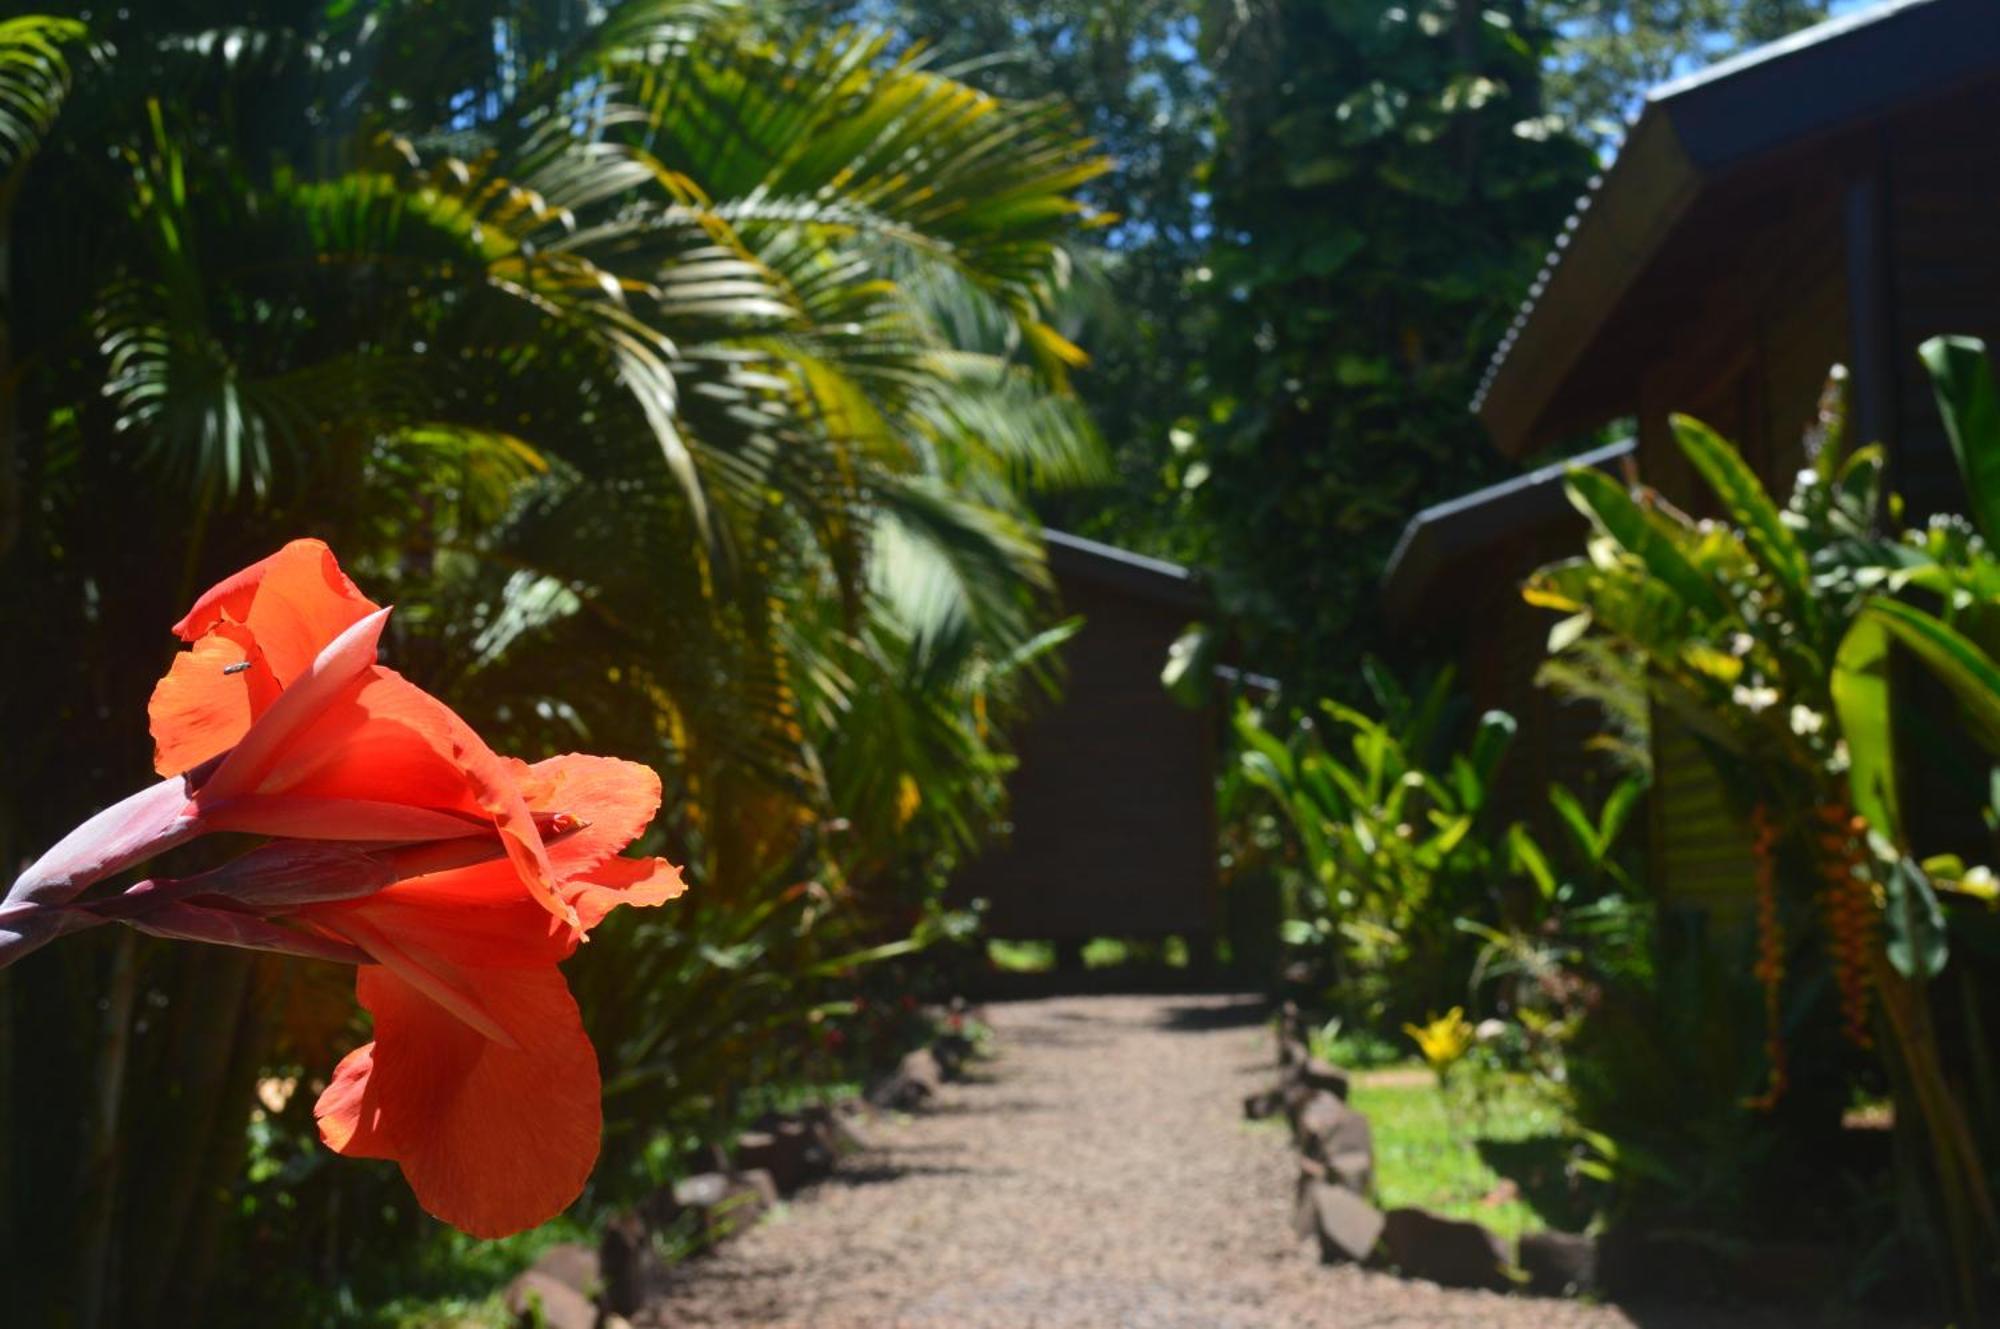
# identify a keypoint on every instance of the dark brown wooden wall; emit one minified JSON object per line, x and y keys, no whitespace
{"x":1756,"y":323}
{"x":1751,"y":364}
{"x":1866,"y":247}
{"x":1114,"y":800}
{"x":1942,"y":171}
{"x":1942,"y":168}
{"x":1504,"y":642}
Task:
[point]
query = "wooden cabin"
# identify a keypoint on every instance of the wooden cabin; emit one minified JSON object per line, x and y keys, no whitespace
{"x":1453,"y":592}
{"x":1113,"y":803}
{"x":1830,"y":198}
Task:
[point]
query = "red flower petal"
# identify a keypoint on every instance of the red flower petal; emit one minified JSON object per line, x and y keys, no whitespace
{"x":207,"y":699}
{"x":350,"y":749}
{"x":635,"y":881}
{"x":475,"y":914}
{"x":614,"y":799}
{"x":467,"y":917}
{"x":293,"y":603}
{"x":255,"y":634}
{"x":492,"y":1140}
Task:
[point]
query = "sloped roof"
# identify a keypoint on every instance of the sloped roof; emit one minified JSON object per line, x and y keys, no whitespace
{"x":1122,"y":570}
{"x":1448,"y":535}
{"x":1698,"y":137}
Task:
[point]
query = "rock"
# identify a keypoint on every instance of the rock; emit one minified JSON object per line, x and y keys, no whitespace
{"x":703,"y":1190}
{"x":760,"y":1183}
{"x":724,"y":1205}
{"x":952,"y":1051}
{"x":845,"y":1133}
{"x":1318,"y":1073}
{"x":1558,"y":1264}
{"x":537,"y":1301}
{"x":626,"y":1263}
{"x":1346,"y":1226}
{"x":570,"y":1263}
{"x":820,"y":1127}
{"x":1302,"y":1214}
{"x":1269,"y":1103}
{"x":1292,"y":1054}
{"x":815,"y":1142}
{"x":913,"y":1083}
{"x":1445,"y":1250}
{"x":1339,"y":1138}
{"x":614,"y":1321}
{"x":922,"y":1066}
{"x":785,"y":1152}
{"x":1296,"y":1097}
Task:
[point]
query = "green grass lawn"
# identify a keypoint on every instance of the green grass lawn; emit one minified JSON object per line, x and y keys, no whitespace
{"x":1500,"y":1163}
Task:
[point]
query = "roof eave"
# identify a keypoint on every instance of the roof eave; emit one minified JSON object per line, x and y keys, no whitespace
{"x":1837,"y":76}
{"x":1145,"y":578}
{"x":1447,"y":534}
{"x":1604,"y":248}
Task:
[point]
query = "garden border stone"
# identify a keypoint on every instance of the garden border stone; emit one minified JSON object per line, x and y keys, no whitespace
{"x":1451,"y":1252}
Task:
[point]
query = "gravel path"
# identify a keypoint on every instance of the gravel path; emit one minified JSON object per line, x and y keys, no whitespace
{"x":1095,"y":1174}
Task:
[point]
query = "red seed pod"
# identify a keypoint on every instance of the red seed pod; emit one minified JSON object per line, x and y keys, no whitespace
{"x":1770,"y":967}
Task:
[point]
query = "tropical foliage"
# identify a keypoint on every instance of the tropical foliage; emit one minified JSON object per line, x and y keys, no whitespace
{"x":1326,"y":215}
{"x":1385,"y":184}
{"x":679,"y":377}
{"x":1772,"y":640}
{"x":1408,"y":886}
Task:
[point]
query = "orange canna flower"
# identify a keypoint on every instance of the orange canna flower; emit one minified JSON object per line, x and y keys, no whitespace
{"x":480,"y":1081}
{"x":316,"y":740}
{"x":279,"y":722}
{"x":456,"y":879}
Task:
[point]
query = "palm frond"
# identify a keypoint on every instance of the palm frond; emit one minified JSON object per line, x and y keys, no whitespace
{"x":35,"y":78}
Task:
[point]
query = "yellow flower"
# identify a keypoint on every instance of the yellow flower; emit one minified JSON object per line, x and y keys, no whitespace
{"x":1445,"y":1039}
{"x":908,"y":799}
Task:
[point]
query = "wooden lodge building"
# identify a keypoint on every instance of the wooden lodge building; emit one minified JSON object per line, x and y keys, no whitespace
{"x":1454,"y":583}
{"x":1113,"y":803}
{"x":1830,"y":198}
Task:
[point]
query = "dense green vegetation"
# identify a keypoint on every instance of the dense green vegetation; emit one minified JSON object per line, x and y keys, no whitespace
{"x":694,"y":376}
{"x":679,"y":377}
{"x":1703,"y":1066}
{"x":1325,"y":213}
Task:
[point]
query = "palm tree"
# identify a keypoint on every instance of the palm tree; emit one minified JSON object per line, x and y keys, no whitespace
{"x":680,"y":377}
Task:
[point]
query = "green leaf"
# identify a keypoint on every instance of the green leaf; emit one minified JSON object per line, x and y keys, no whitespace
{"x":1605,"y":501}
{"x":1957,"y":662}
{"x":1423,"y":720}
{"x":1861,"y":698}
{"x":1274,"y":752}
{"x":1617,"y":810}
{"x":1962,"y":380}
{"x":1916,"y":941}
{"x":1743,"y":497}
{"x":1576,"y":822}
{"x":1450,"y":834}
{"x":1489,"y":745}
{"x":1527,"y":856}
{"x":1190,"y":667}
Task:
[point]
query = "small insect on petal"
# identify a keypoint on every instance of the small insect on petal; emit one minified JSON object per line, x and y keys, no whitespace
{"x":236,"y":668}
